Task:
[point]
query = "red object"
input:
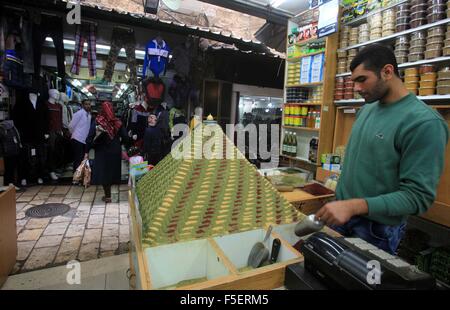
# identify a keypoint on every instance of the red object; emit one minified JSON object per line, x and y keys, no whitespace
{"x":108,"y":120}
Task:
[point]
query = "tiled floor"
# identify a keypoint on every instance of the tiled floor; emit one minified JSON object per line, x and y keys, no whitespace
{"x":101,"y":274}
{"x":90,"y":229}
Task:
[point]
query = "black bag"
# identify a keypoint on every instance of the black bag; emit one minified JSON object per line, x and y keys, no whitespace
{"x":9,"y":139}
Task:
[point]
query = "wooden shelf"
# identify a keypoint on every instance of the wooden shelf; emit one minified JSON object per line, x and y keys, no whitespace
{"x":299,"y":159}
{"x":301,"y":128}
{"x":306,"y":41}
{"x":294,"y":59}
{"x":395,"y":35}
{"x":306,"y":85}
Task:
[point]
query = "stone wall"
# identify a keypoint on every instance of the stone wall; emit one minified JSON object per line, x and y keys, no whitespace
{"x":194,"y":12}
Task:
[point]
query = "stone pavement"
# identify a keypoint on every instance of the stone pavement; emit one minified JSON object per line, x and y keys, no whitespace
{"x":91,"y":229}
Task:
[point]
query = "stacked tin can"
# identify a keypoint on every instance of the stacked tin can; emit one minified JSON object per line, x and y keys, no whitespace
{"x":417,"y":44}
{"x":342,"y":55}
{"x":376,"y":26}
{"x":446,"y":51}
{"x":348,"y":87}
{"x":427,"y":80}
{"x":443,"y":81}
{"x":436,"y":10}
{"x":388,"y":26}
{"x":339,"y":89}
{"x":354,"y":36}
{"x":401,"y":50}
{"x":435,"y":42}
{"x":364,"y":33}
{"x":448,"y":9}
{"x":403,"y":17}
{"x":412,"y":79}
{"x":344,"y":37}
{"x":418,"y":13}
{"x":351,"y":54}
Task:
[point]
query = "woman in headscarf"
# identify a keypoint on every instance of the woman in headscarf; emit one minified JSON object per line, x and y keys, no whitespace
{"x":106,"y":140}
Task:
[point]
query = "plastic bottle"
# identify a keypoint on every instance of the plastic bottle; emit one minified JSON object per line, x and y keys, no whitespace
{"x":317,"y":120}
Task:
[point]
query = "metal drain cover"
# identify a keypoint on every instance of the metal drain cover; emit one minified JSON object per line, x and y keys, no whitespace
{"x":47,"y":210}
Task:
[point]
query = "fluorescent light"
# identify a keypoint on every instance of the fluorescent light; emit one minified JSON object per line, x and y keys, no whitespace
{"x":277,"y":3}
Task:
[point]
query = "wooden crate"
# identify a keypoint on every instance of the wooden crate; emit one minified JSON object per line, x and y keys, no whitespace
{"x":218,"y":260}
{"x":8,"y":234}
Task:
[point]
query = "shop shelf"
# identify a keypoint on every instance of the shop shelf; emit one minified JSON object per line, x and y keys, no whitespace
{"x":306,"y":85}
{"x":301,"y":128}
{"x":295,"y":59}
{"x":363,"y":18}
{"x":360,"y":101}
{"x":395,"y":35}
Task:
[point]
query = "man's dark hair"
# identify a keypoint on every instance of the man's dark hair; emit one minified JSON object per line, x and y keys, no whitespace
{"x":374,"y":57}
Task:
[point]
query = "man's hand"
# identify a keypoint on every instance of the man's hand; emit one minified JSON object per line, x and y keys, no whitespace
{"x":86,"y":155}
{"x":341,"y":211}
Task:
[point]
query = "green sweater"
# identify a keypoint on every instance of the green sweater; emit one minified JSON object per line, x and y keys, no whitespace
{"x":394,"y":159}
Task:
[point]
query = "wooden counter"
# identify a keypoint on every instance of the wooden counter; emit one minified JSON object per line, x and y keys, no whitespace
{"x":8,"y":233}
{"x":306,"y":202}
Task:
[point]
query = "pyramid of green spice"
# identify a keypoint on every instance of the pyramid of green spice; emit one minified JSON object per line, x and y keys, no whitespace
{"x":195,"y":197}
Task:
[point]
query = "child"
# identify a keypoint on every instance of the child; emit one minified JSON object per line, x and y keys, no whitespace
{"x":134,"y":158}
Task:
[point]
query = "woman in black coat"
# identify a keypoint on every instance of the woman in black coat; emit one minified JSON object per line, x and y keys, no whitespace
{"x":106,"y":141}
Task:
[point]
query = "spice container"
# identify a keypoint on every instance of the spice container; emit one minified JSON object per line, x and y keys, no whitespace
{"x":411,"y":71}
{"x":411,"y":79}
{"x":444,"y":73}
{"x":342,"y":54}
{"x":435,"y":40}
{"x":442,"y":90}
{"x":417,"y":22}
{"x":435,"y":46}
{"x":401,"y":27}
{"x":427,"y":84}
{"x":430,"y":76}
{"x":437,"y":2}
{"x":426,"y":91}
{"x":352,"y":52}
{"x":436,"y":31}
{"x":426,"y":69}
{"x":401,"y":59}
{"x":443,"y":83}
{"x":415,"y":57}
{"x":417,"y":50}
{"x":411,"y":85}
{"x":429,"y":54}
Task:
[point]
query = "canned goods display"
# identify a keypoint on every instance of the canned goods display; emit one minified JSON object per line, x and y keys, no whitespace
{"x":443,"y":90}
{"x":418,"y":35}
{"x":446,"y":51}
{"x":437,"y":2}
{"x":429,"y":76}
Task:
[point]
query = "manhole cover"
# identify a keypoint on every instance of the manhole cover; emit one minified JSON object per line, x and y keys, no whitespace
{"x":47,"y":210}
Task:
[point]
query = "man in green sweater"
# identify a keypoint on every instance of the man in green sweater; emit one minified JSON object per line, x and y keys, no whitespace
{"x":393,"y":160}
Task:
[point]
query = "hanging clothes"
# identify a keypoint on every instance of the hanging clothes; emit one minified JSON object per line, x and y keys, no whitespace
{"x":85,"y":32}
{"x":51,"y":26}
{"x":122,"y":38}
{"x":154,"y":90}
{"x":156,"y":57}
